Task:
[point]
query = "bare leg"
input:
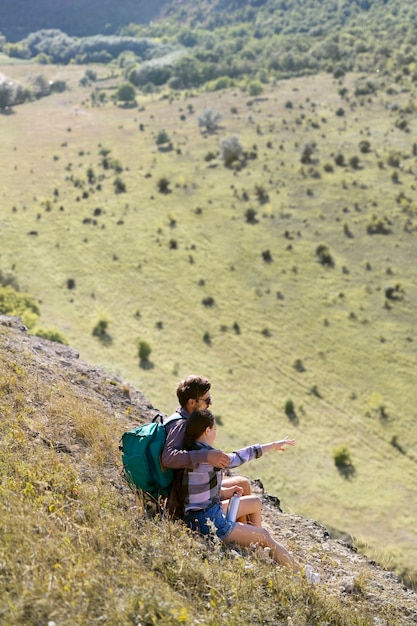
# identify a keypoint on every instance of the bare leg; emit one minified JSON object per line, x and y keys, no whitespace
{"x":243,"y":482}
{"x":246,"y":535}
{"x":249,"y":509}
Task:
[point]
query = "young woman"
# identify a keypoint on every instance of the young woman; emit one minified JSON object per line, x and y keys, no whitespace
{"x":205,"y":502}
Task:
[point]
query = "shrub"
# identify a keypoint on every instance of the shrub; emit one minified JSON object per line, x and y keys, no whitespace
{"x":209,"y":120}
{"x":101,"y":326}
{"x":209,"y":301}
{"x":339,"y":159}
{"x":162,"y":138}
{"x":126,"y":93}
{"x":379,"y":226}
{"x":230,"y":149}
{"x":163,"y":185}
{"x":261,"y":193}
{"x":267,"y":256}
{"x":364,"y":146}
{"x":8,"y":279}
{"x":299,"y":366}
{"x":307,"y":152}
{"x":324,"y":256}
{"x":250,"y":216}
{"x":144,"y":349}
{"x":51,"y":334}
{"x":19,"y":304}
{"x":289,"y":408}
{"x":119,"y":185}
{"x":255,"y":88}
{"x":341,"y":456}
{"x":354,"y":162}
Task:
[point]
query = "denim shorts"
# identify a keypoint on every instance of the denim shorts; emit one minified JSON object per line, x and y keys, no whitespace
{"x":203,"y":521}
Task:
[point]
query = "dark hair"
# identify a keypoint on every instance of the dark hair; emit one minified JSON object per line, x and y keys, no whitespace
{"x":196,"y":424}
{"x":192,"y":387}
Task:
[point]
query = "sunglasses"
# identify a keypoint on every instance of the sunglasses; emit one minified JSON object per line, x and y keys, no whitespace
{"x":206,"y":400}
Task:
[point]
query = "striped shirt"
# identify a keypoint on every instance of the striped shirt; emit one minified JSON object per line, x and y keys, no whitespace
{"x":201,"y":486}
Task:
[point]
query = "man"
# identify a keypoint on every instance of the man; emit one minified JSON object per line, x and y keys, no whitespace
{"x":194,"y":393}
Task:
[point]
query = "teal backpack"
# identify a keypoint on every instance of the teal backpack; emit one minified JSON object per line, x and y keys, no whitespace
{"x":141,"y":456}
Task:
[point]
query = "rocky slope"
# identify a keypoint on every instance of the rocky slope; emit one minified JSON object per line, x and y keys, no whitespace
{"x":344,"y":572}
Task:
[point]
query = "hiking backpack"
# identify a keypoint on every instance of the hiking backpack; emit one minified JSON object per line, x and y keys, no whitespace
{"x":141,"y":456}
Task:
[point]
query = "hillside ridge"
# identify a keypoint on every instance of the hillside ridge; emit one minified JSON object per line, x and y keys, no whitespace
{"x":345,"y":572}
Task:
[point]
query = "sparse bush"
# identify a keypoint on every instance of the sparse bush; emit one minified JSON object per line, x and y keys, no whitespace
{"x":163,"y":185}
{"x":289,"y":408}
{"x":162,"y":138}
{"x":354,"y":162}
{"x":261,"y":193}
{"x":231,"y":149}
{"x":209,"y":120}
{"x":6,"y":94}
{"x":299,"y":366}
{"x":144,"y":349}
{"x":8,"y":280}
{"x":379,"y":226}
{"x":339,"y":159}
{"x":307,"y":152}
{"x":101,"y":326}
{"x":119,"y":185}
{"x":364,"y":146}
{"x":250,"y":215}
{"x":208,"y":301}
{"x":210,"y":156}
{"x":324,"y":256}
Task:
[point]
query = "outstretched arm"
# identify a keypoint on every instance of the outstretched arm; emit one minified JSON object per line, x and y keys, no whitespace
{"x":277,"y":445}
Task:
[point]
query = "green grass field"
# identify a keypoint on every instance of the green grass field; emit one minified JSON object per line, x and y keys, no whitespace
{"x":148,"y":259}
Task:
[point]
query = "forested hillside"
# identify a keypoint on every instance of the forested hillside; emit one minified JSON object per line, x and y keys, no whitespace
{"x":224,"y":42}
{"x":75,"y":17}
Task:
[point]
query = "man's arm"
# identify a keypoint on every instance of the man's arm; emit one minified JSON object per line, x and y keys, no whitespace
{"x":175,"y":457}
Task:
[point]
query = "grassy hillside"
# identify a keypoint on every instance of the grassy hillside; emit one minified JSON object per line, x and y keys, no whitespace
{"x":78,"y":548}
{"x":241,"y":297}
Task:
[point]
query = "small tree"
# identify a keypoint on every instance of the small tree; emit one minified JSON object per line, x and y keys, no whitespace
{"x":126,"y":93}
{"x":6,"y":95}
{"x":162,"y":138}
{"x":209,"y":120}
{"x":230,"y":149}
{"x":255,"y":88}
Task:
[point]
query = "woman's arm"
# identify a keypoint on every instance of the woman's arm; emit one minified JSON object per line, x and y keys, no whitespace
{"x":277,"y":445}
{"x":254,"y":452}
